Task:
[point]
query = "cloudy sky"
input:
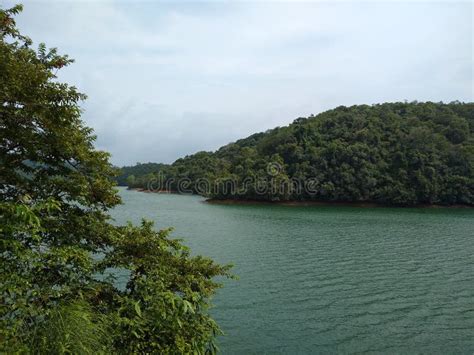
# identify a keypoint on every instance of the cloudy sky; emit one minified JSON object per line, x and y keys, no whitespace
{"x":166,"y":79}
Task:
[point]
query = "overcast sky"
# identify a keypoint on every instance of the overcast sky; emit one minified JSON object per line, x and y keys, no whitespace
{"x":167,"y":79}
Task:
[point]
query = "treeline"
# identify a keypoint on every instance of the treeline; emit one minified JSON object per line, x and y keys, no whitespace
{"x":392,"y":153}
{"x":138,"y":173}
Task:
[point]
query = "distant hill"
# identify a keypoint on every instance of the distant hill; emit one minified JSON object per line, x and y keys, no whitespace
{"x":139,"y":171}
{"x":392,"y":153}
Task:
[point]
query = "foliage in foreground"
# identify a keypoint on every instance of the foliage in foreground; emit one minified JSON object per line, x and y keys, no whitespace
{"x":57,"y":244}
{"x":391,"y":153}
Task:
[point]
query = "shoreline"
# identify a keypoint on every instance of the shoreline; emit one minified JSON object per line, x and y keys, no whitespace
{"x":327,"y":204}
{"x":296,"y":203}
{"x":138,"y":189}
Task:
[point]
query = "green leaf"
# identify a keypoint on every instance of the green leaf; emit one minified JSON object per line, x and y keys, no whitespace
{"x":137,"y":308}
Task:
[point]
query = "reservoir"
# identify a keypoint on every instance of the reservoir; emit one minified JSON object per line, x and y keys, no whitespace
{"x":327,"y":279}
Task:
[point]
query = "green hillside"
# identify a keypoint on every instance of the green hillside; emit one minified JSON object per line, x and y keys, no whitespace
{"x":137,"y":173}
{"x":391,"y":153}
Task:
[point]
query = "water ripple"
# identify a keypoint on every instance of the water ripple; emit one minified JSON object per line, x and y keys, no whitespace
{"x":331,"y":280}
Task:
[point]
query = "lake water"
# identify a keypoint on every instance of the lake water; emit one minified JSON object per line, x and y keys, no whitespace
{"x":330,"y":279}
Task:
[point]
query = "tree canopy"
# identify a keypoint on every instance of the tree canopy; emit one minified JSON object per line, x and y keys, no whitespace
{"x":139,"y":170}
{"x":57,"y":243}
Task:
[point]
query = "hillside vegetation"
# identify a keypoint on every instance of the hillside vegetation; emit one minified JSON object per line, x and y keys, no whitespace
{"x":128,"y":174}
{"x":391,"y":153}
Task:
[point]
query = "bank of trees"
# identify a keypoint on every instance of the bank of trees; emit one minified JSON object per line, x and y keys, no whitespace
{"x":394,"y":153}
{"x":131,"y":175}
{"x":57,"y":245}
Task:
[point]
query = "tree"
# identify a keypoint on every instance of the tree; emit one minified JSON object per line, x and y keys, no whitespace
{"x":130,"y":181}
{"x":55,"y":191}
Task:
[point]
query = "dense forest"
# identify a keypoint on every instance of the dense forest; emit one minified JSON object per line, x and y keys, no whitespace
{"x":392,"y":153}
{"x":127,"y":174}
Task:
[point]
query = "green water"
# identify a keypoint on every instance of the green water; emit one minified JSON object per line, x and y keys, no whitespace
{"x":330,"y":279}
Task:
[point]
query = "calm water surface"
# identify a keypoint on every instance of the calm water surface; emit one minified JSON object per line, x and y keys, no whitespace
{"x":330,"y":279}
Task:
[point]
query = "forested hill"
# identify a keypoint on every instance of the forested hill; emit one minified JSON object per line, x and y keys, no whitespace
{"x":132,"y":174}
{"x":392,"y":153}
